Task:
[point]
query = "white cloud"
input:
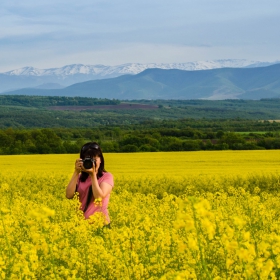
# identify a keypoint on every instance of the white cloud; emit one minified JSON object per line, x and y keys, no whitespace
{"x":47,"y":33}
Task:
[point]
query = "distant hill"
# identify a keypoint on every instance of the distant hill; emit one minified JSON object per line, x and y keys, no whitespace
{"x":76,"y":73}
{"x":214,"y":84}
{"x":50,"y":86}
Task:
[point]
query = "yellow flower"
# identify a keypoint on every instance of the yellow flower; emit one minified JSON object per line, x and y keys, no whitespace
{"x":229,"y":262}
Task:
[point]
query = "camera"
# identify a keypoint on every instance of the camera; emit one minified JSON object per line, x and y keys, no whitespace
{"x":88,"y":162}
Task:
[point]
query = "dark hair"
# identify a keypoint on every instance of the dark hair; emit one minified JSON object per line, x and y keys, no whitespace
{"x":91,"y":149}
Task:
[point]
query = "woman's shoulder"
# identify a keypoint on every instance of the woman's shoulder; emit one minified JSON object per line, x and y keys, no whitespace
{"x":108,"y":177}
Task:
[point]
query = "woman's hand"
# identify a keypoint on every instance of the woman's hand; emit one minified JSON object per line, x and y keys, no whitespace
{"x":78,"y":165}
{"x":71,"y":187}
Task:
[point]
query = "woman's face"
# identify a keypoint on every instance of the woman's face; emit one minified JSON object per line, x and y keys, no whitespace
{"x":96,"y":157}
{"x":97,"y":162}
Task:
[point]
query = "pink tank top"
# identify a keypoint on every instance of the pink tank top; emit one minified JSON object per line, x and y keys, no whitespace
{"x":83,"y":188}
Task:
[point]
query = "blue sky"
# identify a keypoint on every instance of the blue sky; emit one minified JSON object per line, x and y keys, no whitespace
{"x":54,"y":33}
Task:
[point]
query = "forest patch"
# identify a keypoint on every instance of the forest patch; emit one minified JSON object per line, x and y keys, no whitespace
{"x":122,"y":106}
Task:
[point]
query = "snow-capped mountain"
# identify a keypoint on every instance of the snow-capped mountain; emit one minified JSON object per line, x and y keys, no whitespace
{"x":133,"y":68}
{"x":30,"y":77}
{"x":212,"y":84}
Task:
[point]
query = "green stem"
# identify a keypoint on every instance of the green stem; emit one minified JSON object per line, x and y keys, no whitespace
{"x":204,"y":266}
{"x":6,"y":238}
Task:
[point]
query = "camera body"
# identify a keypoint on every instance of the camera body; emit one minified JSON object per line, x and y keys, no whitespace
{"x":88,"y":162}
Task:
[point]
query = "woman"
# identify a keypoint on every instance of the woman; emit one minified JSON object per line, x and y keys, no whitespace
{"x":91,"y":181}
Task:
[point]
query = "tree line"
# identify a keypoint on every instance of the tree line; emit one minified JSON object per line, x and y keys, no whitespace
{"x":45,"y":101}
{"x":118,"y":139}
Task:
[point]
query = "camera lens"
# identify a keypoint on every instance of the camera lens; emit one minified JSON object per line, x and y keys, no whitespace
{"x":87,"y":163}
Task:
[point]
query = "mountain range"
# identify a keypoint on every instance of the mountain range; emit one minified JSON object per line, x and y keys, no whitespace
{"x":213,"y":84}
{"x":57,"y":78}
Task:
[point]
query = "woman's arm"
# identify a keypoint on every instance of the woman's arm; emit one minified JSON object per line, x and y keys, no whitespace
{"x":99,"y":191}
{"x":71,"y":187}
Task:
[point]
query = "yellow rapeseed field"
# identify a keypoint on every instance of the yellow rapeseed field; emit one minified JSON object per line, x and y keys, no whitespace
{"x":183,"y":215}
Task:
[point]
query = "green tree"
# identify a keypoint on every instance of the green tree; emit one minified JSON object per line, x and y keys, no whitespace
{"x":129,"y":148}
